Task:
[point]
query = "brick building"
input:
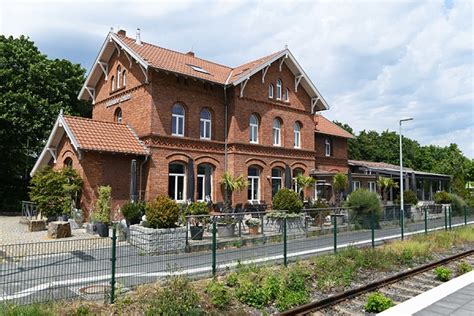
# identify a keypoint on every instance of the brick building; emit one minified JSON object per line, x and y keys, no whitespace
{"x":184,"y":120}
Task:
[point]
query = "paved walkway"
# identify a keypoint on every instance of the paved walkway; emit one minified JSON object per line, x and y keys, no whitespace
{"x":459,"y":303}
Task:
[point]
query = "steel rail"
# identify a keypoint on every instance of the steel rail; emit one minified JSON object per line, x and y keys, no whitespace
{"x":335,"y":299}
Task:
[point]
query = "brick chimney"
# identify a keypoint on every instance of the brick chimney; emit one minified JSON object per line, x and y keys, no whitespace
{"x":122,"y":33}
{"x":190,"y":53}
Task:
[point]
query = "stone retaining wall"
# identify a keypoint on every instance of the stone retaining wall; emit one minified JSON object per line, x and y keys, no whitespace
{"x":158,"y":241}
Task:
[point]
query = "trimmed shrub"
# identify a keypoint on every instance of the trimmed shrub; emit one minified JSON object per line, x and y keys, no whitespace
{"x":103,"y":205}
{"x":162,"y":212}
{"x":442,"y":197}
{"x":409,"y":197}
{"x":197,"y":208}
{"x":458,"y":204}
{"x":443,"y":274}
{"x":377,"y":303}
{"x":362,"y":204}
{"x":133,"y":212}
{"x":287,"y":200}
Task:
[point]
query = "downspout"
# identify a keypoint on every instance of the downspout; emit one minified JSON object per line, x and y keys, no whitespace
{"x":141,"y":176}
{"x":225,"y":127}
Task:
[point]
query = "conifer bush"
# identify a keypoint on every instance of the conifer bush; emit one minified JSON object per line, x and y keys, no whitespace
{"x":162,"y":212}
{"x":287,"y":200}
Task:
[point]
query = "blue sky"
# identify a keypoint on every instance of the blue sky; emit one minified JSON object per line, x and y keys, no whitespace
{"x":373,"y":61}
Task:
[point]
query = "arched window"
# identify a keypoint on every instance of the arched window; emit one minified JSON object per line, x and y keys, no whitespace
{"x":270,"y":91}
{"x":205,"y":124}
{"x":297,"y":135}
{"x":204,"y":182}
{"x":278,"y":96}
{"x":287,"y":95}
{"x":112,"y":83}
{"x":124,"y":78}
{"x":277,"y":180}
{"x":68,"y":162}
{"x":253,"y":128}
{"x":176,"y":182}
{"x":297,"y":172}
{"x":253,"y":194}
{"x":177,"y":120}
{"x":119,"y":74}
{"x":118,"y":115}
{"x":327,"y":147}
{"x":276,"y":132}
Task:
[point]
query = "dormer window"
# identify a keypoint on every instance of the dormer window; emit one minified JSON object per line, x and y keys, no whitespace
{"x":199,"y":69}
{"x":270,"y":91}
{"x":119,"y":74}
{"x":278,"y":92}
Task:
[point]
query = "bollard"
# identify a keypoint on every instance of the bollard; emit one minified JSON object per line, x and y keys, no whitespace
{"x":285,"y":250}
{"x":113,"y":260}
{"x":214,"y":246}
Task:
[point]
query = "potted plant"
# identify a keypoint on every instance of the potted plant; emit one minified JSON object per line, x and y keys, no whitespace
{"x":286,"y":204}
{"x":230,"y":184}
{"x":340,"y":182}
{"x":385,"y":185}
{"x":197,"y":212}
{"x":132,"y":212}
{"x":253,"y":225}
{"x":101,"y":214}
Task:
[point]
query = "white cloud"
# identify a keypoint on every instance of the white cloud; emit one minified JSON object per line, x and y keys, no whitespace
{"x":373,"y":61}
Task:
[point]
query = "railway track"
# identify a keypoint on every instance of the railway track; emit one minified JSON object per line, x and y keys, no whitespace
{"x":399,"y":288}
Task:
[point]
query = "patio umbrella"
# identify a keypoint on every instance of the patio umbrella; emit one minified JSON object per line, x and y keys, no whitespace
{"x":133,"y":181}
{"x":287,"y":177}
{"x":190,"y":176}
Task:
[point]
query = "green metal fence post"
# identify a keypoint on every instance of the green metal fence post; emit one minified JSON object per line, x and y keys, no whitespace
{"x":261,"y":224}
{"x":450,"y":216}
{"x":372,"y":227}
{"x":214,"y":246}
{"x":426,"y":220}
{"x":465,"y":215}
{"x":113,"y":260}
{"x":240,"y":228}
{"x":445,"y":217}
{"x":335,"y":232}
{"x":285,"y":250}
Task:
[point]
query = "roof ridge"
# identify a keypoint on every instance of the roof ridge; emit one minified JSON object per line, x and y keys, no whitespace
{"x":184,"y":54}
{"x":254,"y":60}
{"x":92,"y":120}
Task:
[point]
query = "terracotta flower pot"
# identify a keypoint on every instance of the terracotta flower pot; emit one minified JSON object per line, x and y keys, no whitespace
{"x":253,"y":230}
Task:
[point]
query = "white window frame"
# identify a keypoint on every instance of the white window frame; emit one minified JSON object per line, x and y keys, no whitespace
{"x":295,"y":183}
{"x":372,"y":186}
{"x":118,"y":115}
{"x":270,"y":91}
{"x":252,"y":180}
{"x":278,"y":89}
{"x":253,"y":129}
{"x":203,"y":123}
{"x":327,"y":147}
{"x":276,"y":132}
{"x":177,"y":118}
{"x":297,"y":135}
{"x":112,"y":83}
{"x":355,"y":185}
{"x":280,"y":178}
{"x":119,"y":74}
{"x":124,"y":78}
{"x":176,"y":176}
{"x":287,"y":95}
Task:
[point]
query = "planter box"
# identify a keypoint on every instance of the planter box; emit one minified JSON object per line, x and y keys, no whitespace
{"x":225,"y":231}
{"x":197,"y":232}
{"x":294,"y":225}
{"x":158,"y":241}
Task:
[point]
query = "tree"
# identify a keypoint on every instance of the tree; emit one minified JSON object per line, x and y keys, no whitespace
{"x":339,"y":184}
{"x":385,"y":185}
{"x":303,"y":183}
{"x":55,"y":191}
{"x":32,"y":92}
{"x":230,"y":185}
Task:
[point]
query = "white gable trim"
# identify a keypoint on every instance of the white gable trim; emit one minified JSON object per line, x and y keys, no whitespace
{"x":111,"y":39}
{"x":49,"y":150}
{"x":287,"y":56}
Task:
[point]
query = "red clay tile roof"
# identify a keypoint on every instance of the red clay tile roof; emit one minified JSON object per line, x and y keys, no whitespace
{"x":169,"y":60}
{"x":325,"y":126}
{"x":104,"y":136}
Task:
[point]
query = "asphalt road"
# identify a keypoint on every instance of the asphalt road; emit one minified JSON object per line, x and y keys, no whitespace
{"x":78,"y":273}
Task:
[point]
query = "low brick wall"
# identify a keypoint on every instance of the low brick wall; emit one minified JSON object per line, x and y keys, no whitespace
{"x":158,"y":241}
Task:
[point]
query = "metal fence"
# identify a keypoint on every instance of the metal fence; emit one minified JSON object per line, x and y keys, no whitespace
{"x":101,"y":268}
